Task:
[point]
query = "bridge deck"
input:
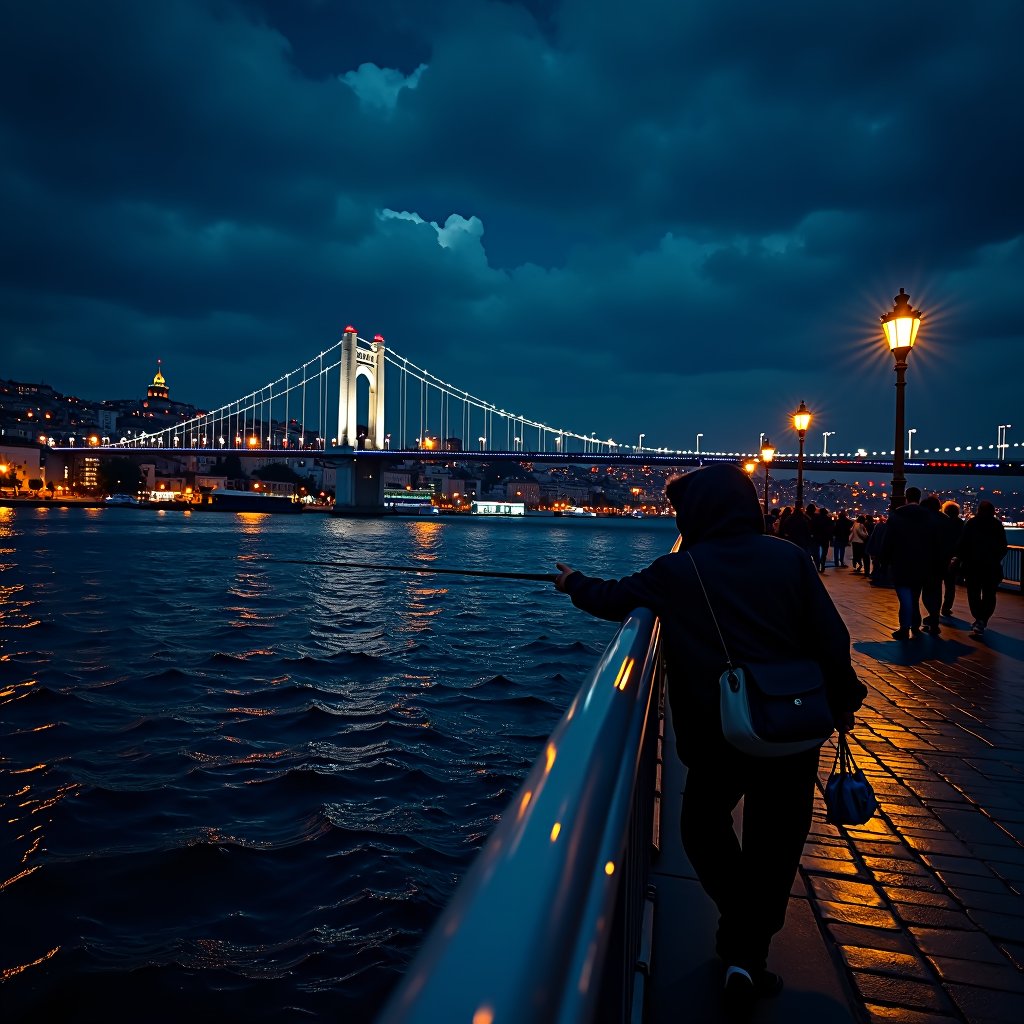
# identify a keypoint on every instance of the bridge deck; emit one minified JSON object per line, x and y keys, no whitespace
{"x":917,"y":917}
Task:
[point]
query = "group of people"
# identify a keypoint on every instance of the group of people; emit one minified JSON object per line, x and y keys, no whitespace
{"x":923,"y":549}
{"x":817,"y":531}
{"x":927,"y":546}
{"x":722,"y":529}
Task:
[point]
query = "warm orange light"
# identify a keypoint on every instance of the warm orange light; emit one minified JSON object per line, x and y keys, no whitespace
{"x":609,"y":868}
{"x":767,"y":452}
{"x":802,"y":419}
{"x":749,"y":467}
{"x":900,"y":326}
{"x":483,"y":1015}
{"x":625,"y":669}
{"x":254,"y":442}
{"x":555,"y":829}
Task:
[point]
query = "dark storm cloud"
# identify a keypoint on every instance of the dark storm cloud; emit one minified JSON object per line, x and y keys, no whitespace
{"x":551,"y":204}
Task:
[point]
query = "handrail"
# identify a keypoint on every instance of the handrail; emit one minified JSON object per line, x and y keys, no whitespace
{"x":527,"y":934}
{"x":1012,"y":567}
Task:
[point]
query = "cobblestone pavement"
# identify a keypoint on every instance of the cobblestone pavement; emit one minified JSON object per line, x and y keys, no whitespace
{"x":925,"y":904}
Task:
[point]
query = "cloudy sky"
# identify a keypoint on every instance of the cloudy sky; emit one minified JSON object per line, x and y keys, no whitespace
{"x":661,"y":216}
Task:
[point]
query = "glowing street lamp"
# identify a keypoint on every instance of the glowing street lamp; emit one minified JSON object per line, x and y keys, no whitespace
{"x":640,"y":444}
{"x":900,"y":327}
{"x":767,"y":454}
{"x":825,"y":435}
{"x":801,"y":421}
{"x":1001,"y":444}
{"x":910,"y":442}
{"x":699,"y":436}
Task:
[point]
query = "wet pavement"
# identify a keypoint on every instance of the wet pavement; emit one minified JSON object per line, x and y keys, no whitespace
{"x":918,"y":916}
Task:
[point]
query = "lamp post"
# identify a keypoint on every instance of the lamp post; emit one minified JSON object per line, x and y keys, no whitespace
{"x":1001,"y":444}
{"x":767,"y":454}
{"x":801,"y":421}
{"x":483,"y":441}
{"x":699,"y":436}
{"x":640,"y":445}
{"x":900,"y":327}
{"x":825,"y":435}
{"x":910,"y":442}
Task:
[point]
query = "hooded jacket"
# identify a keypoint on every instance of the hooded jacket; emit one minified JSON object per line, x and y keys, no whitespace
{"x":766,"y":593}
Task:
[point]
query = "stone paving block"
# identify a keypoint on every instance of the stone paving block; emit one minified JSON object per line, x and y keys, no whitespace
{"x":923,"y":897}
{"x":957,"y":945}
{"x":985,"y":1006}
{"x":851,"y":913}
{"x":1013,"y":873}
{"x":1008,"y":927}
{"x":946,"y":844}
{"x":933,"y":917}
{"x":908,"y":880}
{"x":961,"y":865}
{"x":997,"y":903}
{"x":884,"y":961}
{"x":901,"y":1015}
{"x":914,"y":995}
{"x":843,"y":890}
{"x":824,"y":865}
{"x":916,"y":826}
{"x":981,"y":881}
{"x":1015,"y":951}
{"x":907,"y":866}
{"x":1006,"y":852}
{"x":1002,"y":977}
{"x":866,"y":937}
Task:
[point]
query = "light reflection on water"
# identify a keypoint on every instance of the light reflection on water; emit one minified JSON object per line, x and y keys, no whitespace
{"x":210,"y":758}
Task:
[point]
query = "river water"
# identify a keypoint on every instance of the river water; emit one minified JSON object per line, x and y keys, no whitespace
{"x":241,"y":789}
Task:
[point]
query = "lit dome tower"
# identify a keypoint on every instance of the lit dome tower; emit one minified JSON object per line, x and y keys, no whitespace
{"x":158,"y":389}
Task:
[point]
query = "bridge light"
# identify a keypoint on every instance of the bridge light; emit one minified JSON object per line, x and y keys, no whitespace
{"x":350,"y":329}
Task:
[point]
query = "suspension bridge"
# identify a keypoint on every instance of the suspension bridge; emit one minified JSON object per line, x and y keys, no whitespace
{"x":360,"y":398}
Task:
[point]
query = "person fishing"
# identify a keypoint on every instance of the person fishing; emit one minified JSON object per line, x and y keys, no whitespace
{"x":771,"y":605}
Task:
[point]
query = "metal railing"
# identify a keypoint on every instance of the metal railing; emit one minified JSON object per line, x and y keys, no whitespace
{"x":553,"y":921}
{"x":1012,"y":566}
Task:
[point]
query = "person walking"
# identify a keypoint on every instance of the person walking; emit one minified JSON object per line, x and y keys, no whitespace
{"x":980,"y":553}
{"x":950,"y":533}
{"x":841,"y":530}
{"x":858,"y":539}
{"x":722,"y":534}
{"x":931,"y":585}
{"x":909,"y":549}
{"x":796,"y":528}
{"x":821,"y":528}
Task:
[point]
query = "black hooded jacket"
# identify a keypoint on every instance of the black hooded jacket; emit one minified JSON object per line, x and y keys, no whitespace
{"x":766,"y":594}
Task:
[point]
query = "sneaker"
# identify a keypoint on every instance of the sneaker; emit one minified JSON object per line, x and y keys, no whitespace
{"x":743,"y":987}
{"x":947,"y":613}
{"x":738,"y":996}
{"x":900,"y":634}
{"x":977,"y":631}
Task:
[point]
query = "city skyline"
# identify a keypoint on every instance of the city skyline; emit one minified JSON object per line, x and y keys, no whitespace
{"x":659,"y":226}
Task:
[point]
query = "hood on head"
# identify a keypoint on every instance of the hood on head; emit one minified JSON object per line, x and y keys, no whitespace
{"x":717,"y":501}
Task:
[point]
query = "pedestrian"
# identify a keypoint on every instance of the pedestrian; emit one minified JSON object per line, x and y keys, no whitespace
{"x":822,"y":530}
{"x":931,"y":585}
{"x":952,"y":530}
{"x":909,"y":548}
{"x":841,"y":530}
{"x":858,"y":539}
{"x":722,"y":530}
{"x":980,"y":554}
{"x":878,"y":571}
{"x":797,"y":529}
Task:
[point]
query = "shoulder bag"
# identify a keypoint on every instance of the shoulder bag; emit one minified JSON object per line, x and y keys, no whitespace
{"x":771,"y":709}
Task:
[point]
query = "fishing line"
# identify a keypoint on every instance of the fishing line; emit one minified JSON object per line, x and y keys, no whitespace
{"x":542,"y":577}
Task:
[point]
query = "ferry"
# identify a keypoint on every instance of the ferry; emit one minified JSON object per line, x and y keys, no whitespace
{"x":122,"y":501}
{"x":577,"y":511}
{"x":226,"y":500}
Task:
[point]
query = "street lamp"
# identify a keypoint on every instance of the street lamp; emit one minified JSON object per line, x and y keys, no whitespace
{"x":699,"y":436}
{"x":640,"y":446}
{"x":801,"y":421}
{"x":482,"y":440}
{"x":900,"y":327}
{"x":767,"y":454}
{"x":825,"y":435}
{"x":910,"y":442}
{"x":1001,"y":444}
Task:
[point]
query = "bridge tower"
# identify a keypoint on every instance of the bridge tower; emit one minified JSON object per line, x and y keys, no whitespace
{"x":359,"y":362}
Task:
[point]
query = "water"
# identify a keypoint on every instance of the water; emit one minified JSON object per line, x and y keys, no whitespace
{"x":241,"y":790}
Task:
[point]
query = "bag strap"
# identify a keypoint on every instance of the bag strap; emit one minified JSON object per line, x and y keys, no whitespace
{"x":728,"y":660}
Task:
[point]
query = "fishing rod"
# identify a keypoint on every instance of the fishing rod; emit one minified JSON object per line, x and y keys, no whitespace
{"x":543,"y":577}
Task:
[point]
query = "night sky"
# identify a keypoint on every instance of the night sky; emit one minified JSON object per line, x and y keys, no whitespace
{"x":661,"y":216}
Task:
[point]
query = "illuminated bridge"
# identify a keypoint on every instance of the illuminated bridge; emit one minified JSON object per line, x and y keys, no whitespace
{"x":363,"y":400}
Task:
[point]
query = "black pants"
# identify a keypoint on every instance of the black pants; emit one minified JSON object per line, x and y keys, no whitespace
{"x":749,"y":883}
{"x":982,"y":586}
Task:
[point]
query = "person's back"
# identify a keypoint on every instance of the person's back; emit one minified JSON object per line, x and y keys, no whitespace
{"x":910,"y":543}
{"x":981,"y":551}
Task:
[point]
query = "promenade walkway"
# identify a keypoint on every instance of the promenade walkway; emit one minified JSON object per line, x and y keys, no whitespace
{"x":917,"y":917}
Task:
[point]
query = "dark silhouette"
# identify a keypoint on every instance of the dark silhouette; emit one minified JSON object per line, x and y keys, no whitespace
{"x":950,"y":533}
{"x":858,"y":540}
{"x":910,"y":549}
{"x":841,"y":530}
{"x":722,"y":528}
{"x":980,"y":553}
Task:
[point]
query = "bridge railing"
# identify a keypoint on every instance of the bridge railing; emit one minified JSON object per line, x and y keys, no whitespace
{"x":553,"y":920}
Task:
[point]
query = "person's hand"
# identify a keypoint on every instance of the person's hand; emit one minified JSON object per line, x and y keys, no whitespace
{"x":845,"y":721}
{"x":564,"y":572}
